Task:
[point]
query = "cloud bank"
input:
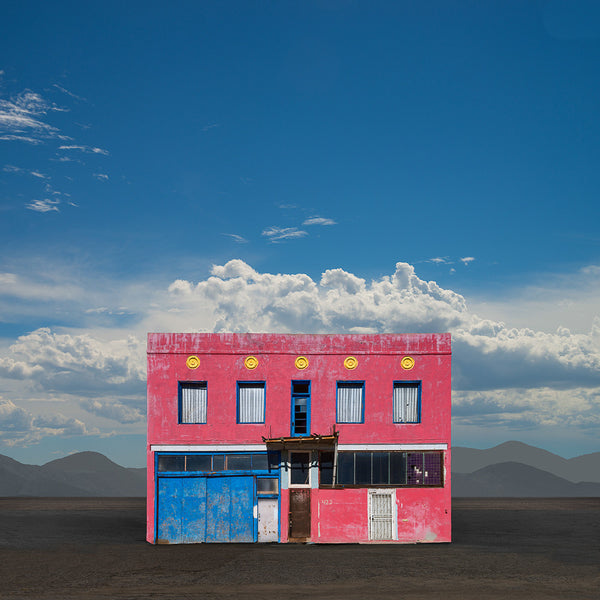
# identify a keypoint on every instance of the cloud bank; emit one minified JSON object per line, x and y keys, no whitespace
{"x":488,"y":354}
{"x":516,"y":377}
{"x":20,"y":427}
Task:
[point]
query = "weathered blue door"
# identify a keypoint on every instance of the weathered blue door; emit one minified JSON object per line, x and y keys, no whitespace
{"x":181,"y":510}
{"x":169,"y":510}
{"x":193,"y":509}
{"x":242,"y":509}
{"x":229,"y":509}
{"x":205,"y":509}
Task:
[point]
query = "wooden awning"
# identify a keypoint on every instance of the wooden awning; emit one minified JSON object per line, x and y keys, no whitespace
{"x":306,"y":442}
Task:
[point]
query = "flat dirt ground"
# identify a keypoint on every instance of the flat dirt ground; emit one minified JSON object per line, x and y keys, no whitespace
{"x":503,"y":548}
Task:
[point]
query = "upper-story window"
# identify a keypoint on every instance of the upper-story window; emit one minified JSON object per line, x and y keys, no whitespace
{"x":300,"y":408}
{"x":350,"y":402}
{"x":407,"y":402}
{"x":193,"y":397}
{"x":251,"y":402}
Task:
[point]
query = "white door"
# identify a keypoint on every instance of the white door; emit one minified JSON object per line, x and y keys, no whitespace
{"x":381,"y":515}
{"x":268,"y":521}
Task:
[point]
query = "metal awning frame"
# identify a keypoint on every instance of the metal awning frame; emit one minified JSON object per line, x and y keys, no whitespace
{"x":305,"y":442}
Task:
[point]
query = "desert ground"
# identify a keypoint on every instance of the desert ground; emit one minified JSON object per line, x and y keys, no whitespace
{"x":503,"y":548}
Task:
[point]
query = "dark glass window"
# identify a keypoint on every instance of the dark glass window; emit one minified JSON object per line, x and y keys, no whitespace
{"x":326,"y":468}
{"x":345,"y":468}
{"x":300,"y":463}
{"x":267,"y":486}
{"x":260,"y":462}
{"x":218,"y":462}
{"x":362,"y":468}
{"x":398,"y":468}
{"x":381,"y":468}
{"x":385,"y":468}
{"x":239,"y":462}
{"x":300,"y":387}
{"x":171,"y":463}
{"x":198,"y":462}
{"x":274,"y":459}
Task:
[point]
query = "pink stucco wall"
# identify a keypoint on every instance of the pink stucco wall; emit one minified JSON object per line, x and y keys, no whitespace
{"x":424,"y":513}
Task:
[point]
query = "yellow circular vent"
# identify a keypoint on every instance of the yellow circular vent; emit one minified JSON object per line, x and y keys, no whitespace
{"x":350,"y":363}
{"x":251,"y":362}
{"x":192,"y":362}
{"x":407,"y":363}
{"x":301,"y":362}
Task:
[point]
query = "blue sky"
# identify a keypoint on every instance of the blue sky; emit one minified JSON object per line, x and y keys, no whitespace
{"x":298,"y":166}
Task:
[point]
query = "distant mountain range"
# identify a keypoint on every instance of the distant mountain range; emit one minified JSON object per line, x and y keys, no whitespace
{"x":512,"y":479}
{"x":510,"y":469}
{"x":517,"y":469}
{"x":81,"y":474}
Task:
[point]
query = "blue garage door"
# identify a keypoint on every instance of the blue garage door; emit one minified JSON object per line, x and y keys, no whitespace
{"x":205,"y":509}
{"x":229,"y":509}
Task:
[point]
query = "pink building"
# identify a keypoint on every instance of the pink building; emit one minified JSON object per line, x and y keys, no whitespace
{"x":283,"y":438}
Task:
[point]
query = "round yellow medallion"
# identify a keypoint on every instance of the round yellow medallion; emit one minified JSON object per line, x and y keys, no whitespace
{"x":301,"y":362}
{"x":251,"y":362}
{"x":350,"y":363}
{"x":192,"y":362}
{"x":407,"y":363}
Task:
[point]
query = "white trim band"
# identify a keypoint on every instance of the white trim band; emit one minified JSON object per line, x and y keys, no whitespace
{"x":209,"y":448}
{"x":390,"y":447}
{"x":263,"y":447}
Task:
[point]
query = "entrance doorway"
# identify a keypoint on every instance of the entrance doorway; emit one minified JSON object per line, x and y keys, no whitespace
{"x":299,"y":516}
{"x":381,"y":515}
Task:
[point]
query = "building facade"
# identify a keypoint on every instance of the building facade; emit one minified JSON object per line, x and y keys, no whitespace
{"x":298,"y":438}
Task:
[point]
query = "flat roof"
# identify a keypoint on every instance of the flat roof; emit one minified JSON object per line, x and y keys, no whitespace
{"x":277,"y":343}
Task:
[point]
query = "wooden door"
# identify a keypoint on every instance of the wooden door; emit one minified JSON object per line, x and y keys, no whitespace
{"x":299,"y":514}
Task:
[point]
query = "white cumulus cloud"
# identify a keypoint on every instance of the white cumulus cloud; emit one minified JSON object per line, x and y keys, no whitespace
{"x":76,"y":364}
{"x":20,"y":427}
{"x":488,"y":354}
{"x":518,"y":376}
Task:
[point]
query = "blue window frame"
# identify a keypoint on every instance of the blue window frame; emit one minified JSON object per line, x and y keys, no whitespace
{"x":350,"y":402}
{"x":251,"y":396}
{"x":219,"y":463}
{"x":193,"y":400}
{"x":300,"y":408}
{"x":407,"y":402}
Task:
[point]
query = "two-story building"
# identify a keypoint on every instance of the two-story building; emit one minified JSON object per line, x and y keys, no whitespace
{"x":282,"y":438}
